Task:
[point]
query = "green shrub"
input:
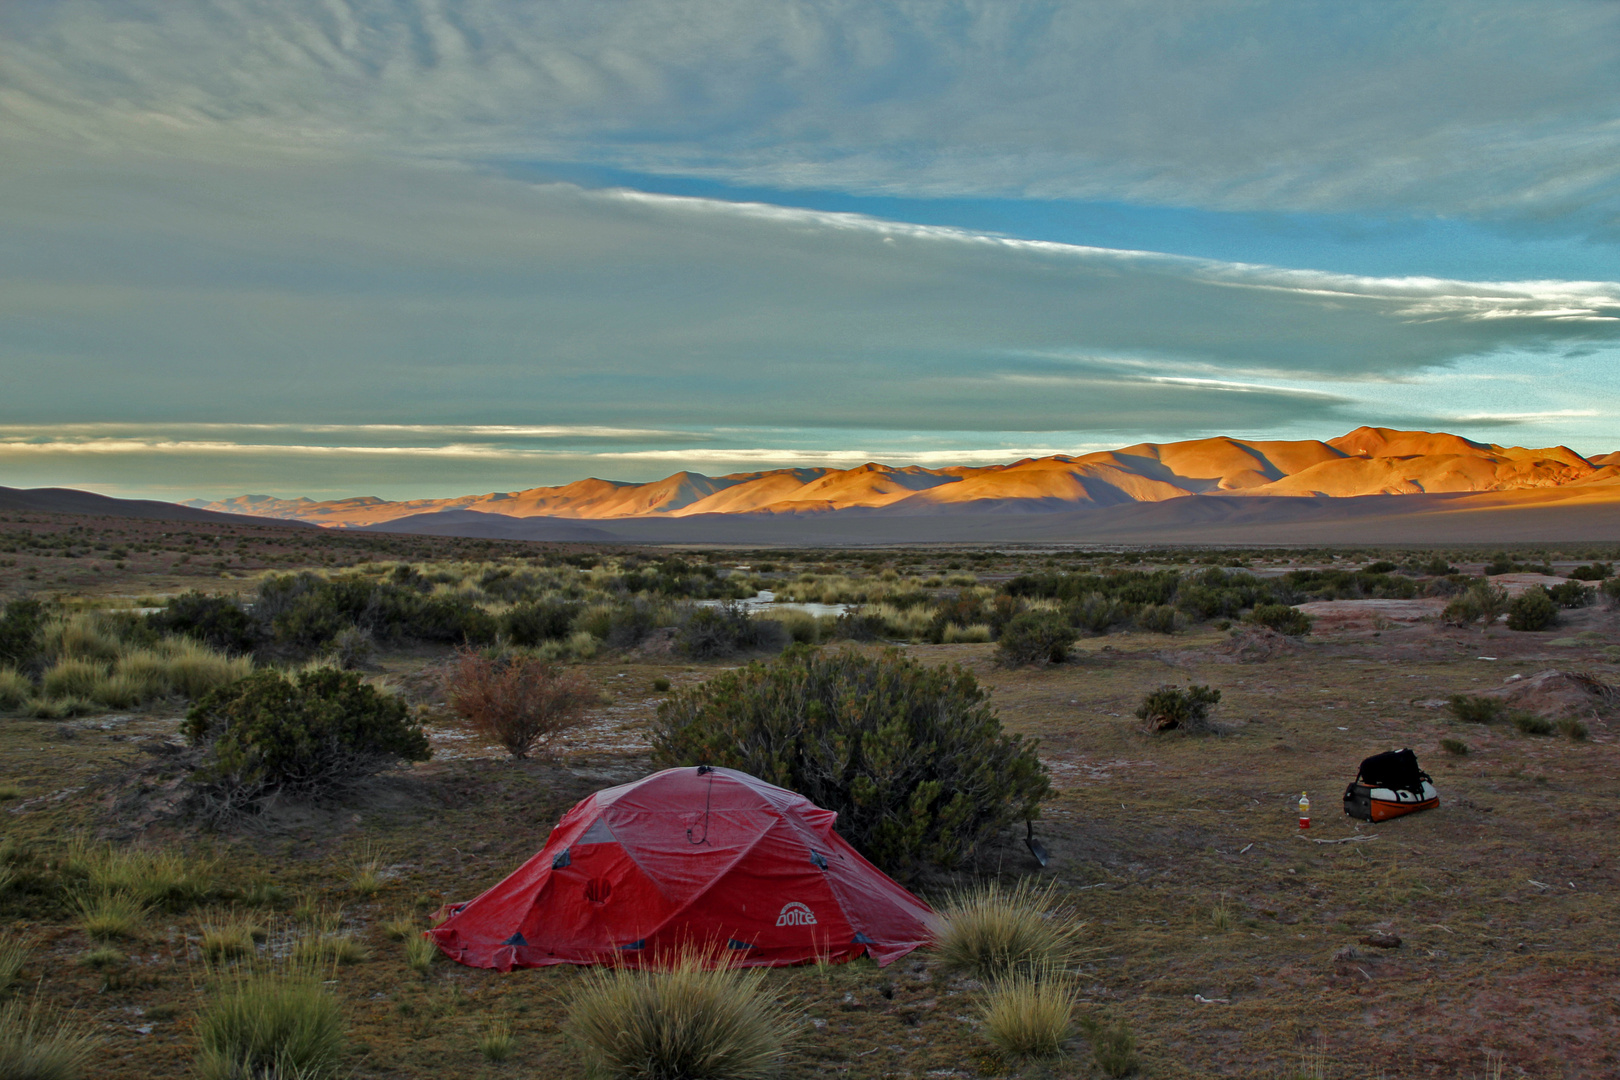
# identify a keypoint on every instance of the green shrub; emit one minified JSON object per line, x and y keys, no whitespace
{"x":157,"y":878}
{"x":1157,"y":619}
{"x":1571,"y":594}
{"x":262,"y":1024}
{"x":1382,"y":566}
{"x":1113,"y":1046}
{"x":1030,"y":1015}
{"x":993,"y":932}
{"x":1482,"y":602}
{"x":1611,"y":590}
{"x":107,"y":915}
{"x":1454,"y":746}
{"x":725,"y":630}
{"x":216,"y":621}
{"x":1593,"y":572}
{"x":1531,"y":724}
{"x":22,"y":634}
{"x":34,"y":1045}
{"x":539,"y":620}
{"x":1574,"y":729}
{"x":1476,"y":710}
{"x":1532,"y":609}
{"x":523,"y":704}
{"x":1170,"y":708}
{"x":912,"y":758}
{"x":1035,"y":637}
{"x":693,"y":1020}
{"x":1097,"y":612}
{"x":1281,"y":618}
{"x":313,"y":735}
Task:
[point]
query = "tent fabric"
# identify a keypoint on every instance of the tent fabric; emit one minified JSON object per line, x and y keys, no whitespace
{"x":713,"y":858}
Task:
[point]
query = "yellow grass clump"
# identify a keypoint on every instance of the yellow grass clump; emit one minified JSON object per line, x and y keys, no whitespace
{"x":696,"y":1018}
{"x":36,"y":1045}
{"x":993,"y":931}
{"x":1030,"y":1014}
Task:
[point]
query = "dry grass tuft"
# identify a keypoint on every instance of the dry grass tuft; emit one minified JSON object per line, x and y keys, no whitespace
{"x":14,"y":954}
{"x":231,"y":936}
{"x":691,"y":1020}
{"x":398,"y":929}
{"x":326,"y":950}
{"x":992,"y":932}
{"x":167,"y":878}
{"x":496,"y":1042}
{"x":1030,"y":1014}
{"x":34,"y":1045}
{"x":420,"y":952}
{"x":1113,"y":1046}
{"x":107,"y":915}
{"x":270,"y":1024}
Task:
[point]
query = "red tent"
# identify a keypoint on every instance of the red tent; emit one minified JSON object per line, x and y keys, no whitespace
{"x":690,"y":855}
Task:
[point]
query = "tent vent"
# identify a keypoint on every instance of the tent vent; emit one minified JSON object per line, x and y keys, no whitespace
{"x":515,"y":939}
{"x":641,"y":944}
{"x":561,"y":860}
{"x":819,"y":859}
{"x":735,"y":944}
{"x":862,"y":939}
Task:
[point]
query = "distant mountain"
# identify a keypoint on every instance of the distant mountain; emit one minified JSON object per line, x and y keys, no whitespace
{"x":1366,"y":462}
{"x":72,"y":501}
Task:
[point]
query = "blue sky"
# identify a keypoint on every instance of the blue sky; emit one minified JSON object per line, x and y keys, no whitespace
{"x":433,"y":247}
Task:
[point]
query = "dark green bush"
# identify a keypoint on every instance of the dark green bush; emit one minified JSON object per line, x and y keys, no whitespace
{"x":1532,"y":609}
{"x":1170,"y":708}
{"x":313,"y":735}
{"x":217,"y":621}
{"x":1454,"y":746}
{"x":1481,"y":603}
{"x":912,"y":757}
{"x":1611,"y":590}
{"x":1157,"y":619}
{"x":1382,"y":566}
{"x":306,"y":611}
{"x":1531,"y":724}
{"x":1476,"y":710}
{"x":1592,"y":572}
{"x":531,"y":623}
{"x":725,"y":630}
{"x":1438,"y":567}
{"x":1097,"y":612}
{"x":1281,"y":618}
{"x":1035,"y":637}
{"x":22,"y":634}
{"x":1571,"y":594}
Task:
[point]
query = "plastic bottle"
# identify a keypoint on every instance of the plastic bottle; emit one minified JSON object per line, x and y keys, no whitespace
{"x":1304,"y":811}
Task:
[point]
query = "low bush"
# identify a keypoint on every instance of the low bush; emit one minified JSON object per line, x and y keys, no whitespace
{"x":953,"y":634}
{"x":1170,"y":708}
{"x":1574,"y":729}
{"x":1531,"y":724}
{"x":36,"y":1045}
{"x":1482,"y":602}
{"x":1113,"y":1047}
{"x":1454,"y":746}
{"x":1281,"y":618}
{"x":22,"y":634}
{"x":1030,"y":1015}
{"x":1097,"y":612}
{"x":220,"y":622}
{"x":693,"y":1020}
{"x":1476,"y":710}
{"x":1532,"y":609}
{"x":1035,"y":637}
{"x":523,"y":704}
{"x":1571,"y":594}
{"x":1611,"y":591}
{"x":994,"y":932}
{"x":313,"y":736}
{"x":270,"y":1023}
{"x":531,"y":623}
{"x":1593,"y":572}
{"x":1157,"y":619}
{"x":725,"y":630}
{"x":913,"y":758}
